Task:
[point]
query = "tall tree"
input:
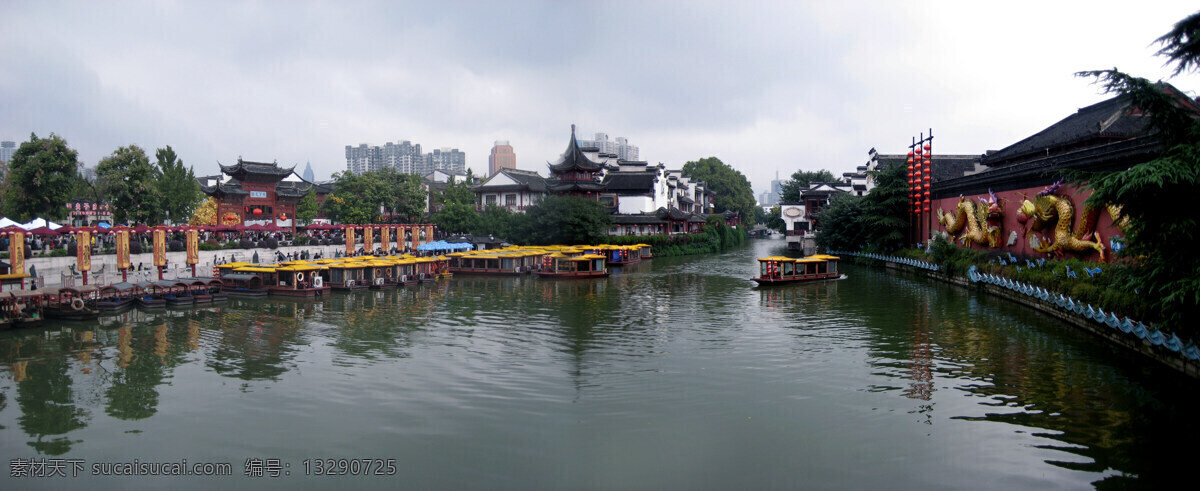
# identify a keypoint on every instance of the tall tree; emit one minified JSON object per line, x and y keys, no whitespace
{"x":40,"y":179}
{"x":562,"y":220}
{"x":307,"y":208}
{"x":177,"y":186}
{"x":733,"y":192}
{"x":1155,"y":197}
{"x":800,"y":181}
{"x":358,"y":198}
{"x":129,"y":182}
{"x":455,"y":207}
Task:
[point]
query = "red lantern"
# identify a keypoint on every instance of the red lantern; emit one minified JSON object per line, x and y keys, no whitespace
{"x":918,"y":150}
{"x":926,"y":147}
{"x":926,"y":186}
{"x":926,"y":209}
{"x":910,"y":153}
{"x":258,"y":211}
{"x":926,"y":180}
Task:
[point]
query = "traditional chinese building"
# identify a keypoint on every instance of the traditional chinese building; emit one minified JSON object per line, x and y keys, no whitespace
{"x":575,"y":174}
{"x":258,"y":193}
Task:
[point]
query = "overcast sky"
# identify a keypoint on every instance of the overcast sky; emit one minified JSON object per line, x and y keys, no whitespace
{"x":765,"y":86}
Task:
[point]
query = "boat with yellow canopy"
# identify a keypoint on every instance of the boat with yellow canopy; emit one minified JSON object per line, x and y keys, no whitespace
{"x":778,"y":270}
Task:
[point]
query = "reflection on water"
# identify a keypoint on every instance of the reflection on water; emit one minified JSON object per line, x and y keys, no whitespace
{"x":676,"y":372}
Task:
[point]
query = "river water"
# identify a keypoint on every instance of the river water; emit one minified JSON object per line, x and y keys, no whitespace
{"x":676,"y":373}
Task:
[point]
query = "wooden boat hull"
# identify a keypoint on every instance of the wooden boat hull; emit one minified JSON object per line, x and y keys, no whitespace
{"x":115,"y":306}
{"x":69,"y":314}
{"x":202,"y":298}
{"x":798,"y":279}
{"x":179,"y":300}
{"x":245,"y":292}
{"x":487,"y":272}
{"x":151,"y":303}
{"x":298,"y":292}
{"x":26,"y":322}
{"x":568,"y":276}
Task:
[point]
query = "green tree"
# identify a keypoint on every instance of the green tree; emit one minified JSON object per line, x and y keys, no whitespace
{"x":774,"y":220}
{"x":129,"y":182}
{"x":800,"y":181}
{"x":733,"y":191}
{"x":455,"y":207}
{"x":402,"y":195}
{"x":1156,"y":196}
{"x":885,"y":217}
{"x":177,"y":186}
{"x":360,"y":197}
{"x":307,"y":208}
{"x":839,"y":227}
{"x":497,"y":221}
{"x":562,"y":220}
{"x":40,"y":179}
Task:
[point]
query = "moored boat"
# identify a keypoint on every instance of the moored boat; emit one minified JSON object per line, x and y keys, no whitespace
{"x":299,"y":280}
{"x":117,"y":297}
{"x":779,"y":270}
{"x":242,"y":285}
{"x":559,"y":265}
{"x":71,"y":305}
{"x":150,"y":295}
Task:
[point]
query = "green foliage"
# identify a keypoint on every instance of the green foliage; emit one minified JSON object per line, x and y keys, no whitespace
{"x":177,"y":187}
{"x":359,"y":197}
{"x":457,"y":218}
{"x":40,"y":179}
{"x":1182,"y":44}
{"x":775,"y":220}
{"x":839,"y":225}
{"x":57,"y":252}
{"x":129,"y":182}
{"x":878,"y":221}
{"x":307,"y":207}
{"x":800,"y":181}
{"x":715,"y":238}
{"x":205,"y":246}
{"x":561,"y":220}
{"x":497,"y":221}
{"x":1156,"y":196}
{"x":732,"y":190}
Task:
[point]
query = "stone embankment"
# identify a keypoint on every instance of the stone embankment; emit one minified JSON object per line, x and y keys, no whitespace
{"x":1160,"y":346}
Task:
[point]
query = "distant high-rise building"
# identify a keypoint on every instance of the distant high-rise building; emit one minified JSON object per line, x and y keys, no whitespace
{"x":404,"y":156}
{"x":308,"y":173}
{"x":7,"y":149}
{"x":502,"y":157}
{"x":619,"y":147}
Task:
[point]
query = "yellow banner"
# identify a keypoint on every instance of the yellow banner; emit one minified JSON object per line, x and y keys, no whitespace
{"x":160,"y":248}
{"x":428,"y":233}
{"x":193,"y":246}
{"x":16,"y":253}
{"x":349,"y":241}
{"x":123,"y":249}
{"x":368,"y":240}
{"x":416,"y":232}
{"x":384,"y":238}
{"x":83,"y":251}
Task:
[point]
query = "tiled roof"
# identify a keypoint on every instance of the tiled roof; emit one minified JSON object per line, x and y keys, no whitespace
{"x":1111,"y":119}
{"x":636,"y":182}
{"x":574,"y":158}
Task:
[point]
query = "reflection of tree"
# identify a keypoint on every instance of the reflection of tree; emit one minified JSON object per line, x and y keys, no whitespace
{"x":47,"y":405}
{"x":254,"y":344}
{"x":132,"y":393}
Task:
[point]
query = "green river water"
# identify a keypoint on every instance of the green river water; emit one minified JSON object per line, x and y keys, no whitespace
{"x":677,"y":373}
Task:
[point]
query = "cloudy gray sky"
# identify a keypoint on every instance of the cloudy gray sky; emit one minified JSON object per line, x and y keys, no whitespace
{"x":765,"y":86}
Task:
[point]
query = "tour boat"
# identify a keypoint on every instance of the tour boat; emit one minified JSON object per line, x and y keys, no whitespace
{"x":559,"y":265}
{"x":778,"y":270}
{"x":299,"y":280}
{"x":150,"y":295}
{"x":117,"y":297}
{"x":242,"y":285}
{"x":620,"y":255}
{"x":499,"y":262}
{"x":175,"y":293}
{"x":70,"y":305}
{"x":348,"y":275}
{"x":198,"y":289}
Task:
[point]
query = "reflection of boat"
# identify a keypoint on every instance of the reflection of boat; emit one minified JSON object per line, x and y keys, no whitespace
{"x":583,"y":266}
{"x":778,"y":270}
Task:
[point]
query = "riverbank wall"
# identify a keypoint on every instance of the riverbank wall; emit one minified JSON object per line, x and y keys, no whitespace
{"x":1185,"y":359}
{"x":55,"y":272}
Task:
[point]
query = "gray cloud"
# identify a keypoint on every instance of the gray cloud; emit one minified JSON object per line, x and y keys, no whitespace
{"x":765,"y":86}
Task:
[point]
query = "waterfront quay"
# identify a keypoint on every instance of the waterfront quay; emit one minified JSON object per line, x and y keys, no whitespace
{"x":675,"y":373}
